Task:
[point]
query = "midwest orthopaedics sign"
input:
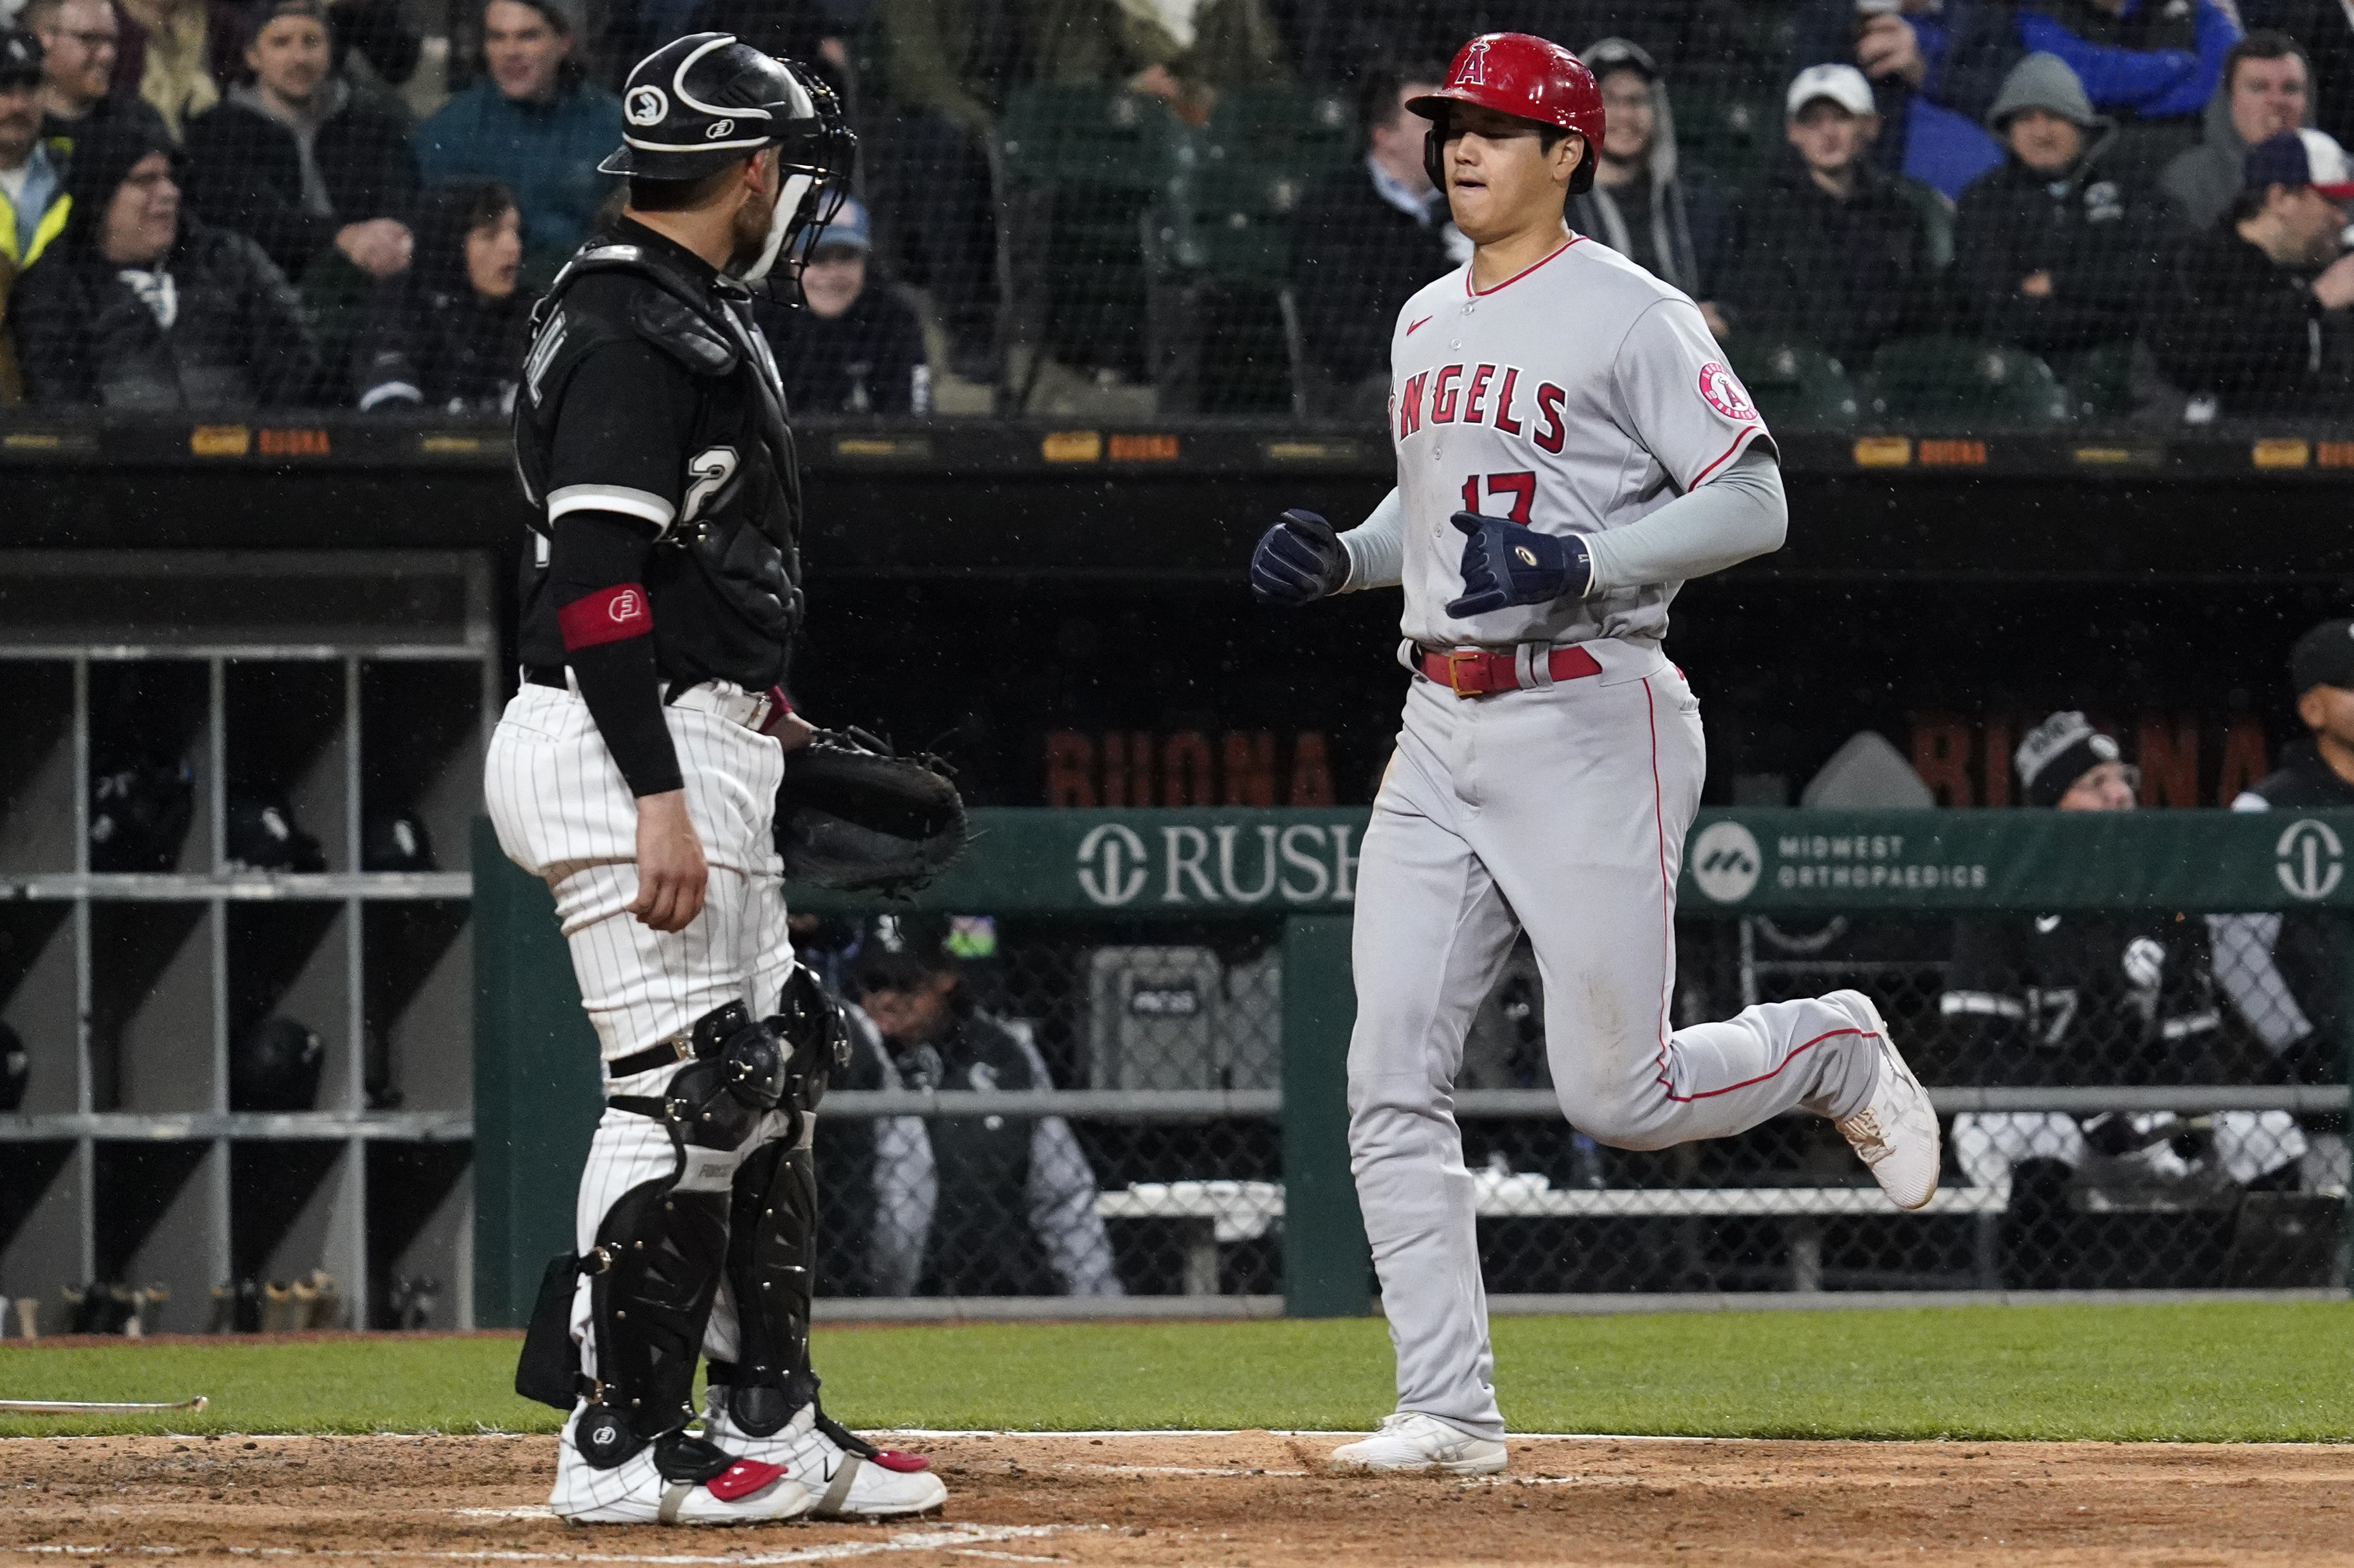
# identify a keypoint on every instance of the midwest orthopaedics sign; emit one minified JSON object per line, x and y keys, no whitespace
{"x":1295,"y":864}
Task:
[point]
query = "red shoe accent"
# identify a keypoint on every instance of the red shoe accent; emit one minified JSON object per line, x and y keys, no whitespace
{"x":742,"y":1479}
{"x":905,"y":1464}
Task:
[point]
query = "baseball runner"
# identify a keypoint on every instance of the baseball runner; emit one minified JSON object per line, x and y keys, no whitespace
{"x":637,"y":771}
{"x":1571,"y":447}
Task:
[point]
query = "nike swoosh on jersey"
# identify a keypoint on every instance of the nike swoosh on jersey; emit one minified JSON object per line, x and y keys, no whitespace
{"x":1413,"y":327}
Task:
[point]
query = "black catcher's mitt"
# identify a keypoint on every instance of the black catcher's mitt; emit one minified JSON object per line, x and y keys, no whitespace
{"x":852,"y":816}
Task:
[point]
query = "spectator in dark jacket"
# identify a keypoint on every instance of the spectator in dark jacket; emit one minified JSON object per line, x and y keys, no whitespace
{"x":2267,"y":88}
{"x":1363,"y":239}
{"x":2152,"y":64}
{"x":449,"y":335}
{"x":294,"y":162}
{"x":1643,"y":203}
{"x":2256,"y":320}
{"x":80,"y":40}
{"x":147,"y":307}
{"x":2057,"y":254}
{"x":854,"y":346}
{"x":1835,"y":252}
{"x":1934,"y":67}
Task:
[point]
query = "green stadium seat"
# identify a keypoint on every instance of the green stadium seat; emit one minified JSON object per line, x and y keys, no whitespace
{"x":1960,"y":379}
{"x":1797,"y":386}
{"x":1093,"y":136}
{"x":1299,"y":130}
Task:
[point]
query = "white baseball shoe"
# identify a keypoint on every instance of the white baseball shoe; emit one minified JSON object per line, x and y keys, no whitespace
{"x":845,"y":1484}
{"x":636,"y":1491}
{"x":1895,"y":1133}
{"x":1410,"y":1440}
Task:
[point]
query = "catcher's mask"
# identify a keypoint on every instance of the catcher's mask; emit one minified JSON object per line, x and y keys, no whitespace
{"x":706,"y":101}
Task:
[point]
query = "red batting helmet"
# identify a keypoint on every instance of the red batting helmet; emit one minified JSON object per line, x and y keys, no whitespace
{"x":1523,"y":76}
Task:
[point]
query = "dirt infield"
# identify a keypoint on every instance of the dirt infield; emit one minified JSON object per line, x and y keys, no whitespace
{"x":1254,"y":1500}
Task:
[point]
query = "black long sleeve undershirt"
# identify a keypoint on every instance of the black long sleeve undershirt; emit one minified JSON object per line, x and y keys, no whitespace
{"x":591,"y":554}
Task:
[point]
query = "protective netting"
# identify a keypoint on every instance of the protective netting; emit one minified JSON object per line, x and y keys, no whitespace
{"x":1171,"y":209}
{"x":2069,"y":1055}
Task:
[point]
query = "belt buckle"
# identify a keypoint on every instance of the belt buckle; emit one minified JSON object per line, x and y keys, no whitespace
{"x":1455,"y":660}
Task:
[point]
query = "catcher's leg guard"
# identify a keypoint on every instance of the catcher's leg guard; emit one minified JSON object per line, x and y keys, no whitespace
{"x":771,"y":1279}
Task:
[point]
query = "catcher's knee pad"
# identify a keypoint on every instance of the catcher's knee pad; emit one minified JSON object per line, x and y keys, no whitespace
{"x":734,"y":1075}
{"x":771,"y":1275}
{"x":816,"y":1037}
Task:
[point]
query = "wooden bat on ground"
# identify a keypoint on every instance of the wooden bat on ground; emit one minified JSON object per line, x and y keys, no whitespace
{"x":90,"y":1407}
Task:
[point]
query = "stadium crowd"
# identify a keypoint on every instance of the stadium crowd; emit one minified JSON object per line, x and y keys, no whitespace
{"x":2046,"y":209}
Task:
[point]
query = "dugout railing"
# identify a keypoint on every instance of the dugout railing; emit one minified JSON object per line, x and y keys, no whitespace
{"x":1181,"y":978}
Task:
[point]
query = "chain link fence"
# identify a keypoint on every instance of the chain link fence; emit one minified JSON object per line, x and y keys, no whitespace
{"x":2122,"y":1112}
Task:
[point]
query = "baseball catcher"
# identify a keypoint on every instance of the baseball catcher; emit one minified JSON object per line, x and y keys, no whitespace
{"x":637,"y":771}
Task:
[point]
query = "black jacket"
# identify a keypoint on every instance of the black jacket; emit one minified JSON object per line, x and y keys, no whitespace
{"x":1355,"y":262}
{"x":239,"y":340}
{"x":245,"y":173}
{"x":450,"y":351}
{"x":2101,"y":238}
{"x":1844,"y":273}
{"x":2303,"y":952}
{"x":2235,"y":325}
{"x":2083,"y":1000}
{"x":868,"y":360}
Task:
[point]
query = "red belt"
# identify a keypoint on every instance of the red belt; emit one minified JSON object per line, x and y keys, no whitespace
{"x":1476,"y":672}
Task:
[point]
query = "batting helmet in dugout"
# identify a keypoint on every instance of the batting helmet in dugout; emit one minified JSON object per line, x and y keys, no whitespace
{"x":1523,"y":76}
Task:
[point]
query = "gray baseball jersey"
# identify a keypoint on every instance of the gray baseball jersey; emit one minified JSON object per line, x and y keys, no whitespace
{"x":1577,"y":396}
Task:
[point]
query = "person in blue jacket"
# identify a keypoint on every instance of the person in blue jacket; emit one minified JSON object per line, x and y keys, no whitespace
{"x":2151,"y":64}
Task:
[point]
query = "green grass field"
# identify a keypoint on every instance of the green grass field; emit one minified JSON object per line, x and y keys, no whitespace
{"x":2208,"y":1372}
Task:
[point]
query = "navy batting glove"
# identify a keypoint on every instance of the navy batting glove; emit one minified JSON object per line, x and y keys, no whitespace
{"x":1505,"y":563}
{"x":1299,"y":561}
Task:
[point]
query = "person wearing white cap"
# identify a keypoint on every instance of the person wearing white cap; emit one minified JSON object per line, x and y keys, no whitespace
{"x":2256,"y":321}
{"x":1837,"y":252}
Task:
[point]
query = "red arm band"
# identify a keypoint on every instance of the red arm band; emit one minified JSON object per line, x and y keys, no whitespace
{"x":605,"y":615}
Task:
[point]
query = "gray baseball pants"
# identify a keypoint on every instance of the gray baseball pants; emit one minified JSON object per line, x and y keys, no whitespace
{"x":1562,"y":809}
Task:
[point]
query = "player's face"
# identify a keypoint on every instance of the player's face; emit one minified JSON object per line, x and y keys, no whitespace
{"x":2111,"y":787}
{"x":2328,"y":712}
{"x":915,"y":1014}
{"x":751,"y":230}
{"x":1500,"y":179}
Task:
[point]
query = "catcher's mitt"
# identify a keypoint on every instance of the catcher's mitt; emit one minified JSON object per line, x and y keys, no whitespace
{"x":852,"y":816}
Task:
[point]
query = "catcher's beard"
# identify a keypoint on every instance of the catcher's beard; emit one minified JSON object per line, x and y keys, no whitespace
{"x":763,"y":224}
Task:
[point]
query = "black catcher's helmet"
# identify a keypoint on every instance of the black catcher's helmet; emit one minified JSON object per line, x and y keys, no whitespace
{"x":704,"y":102}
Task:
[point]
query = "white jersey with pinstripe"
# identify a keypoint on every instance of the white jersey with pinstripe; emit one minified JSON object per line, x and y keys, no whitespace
{"x":1580,"y":395}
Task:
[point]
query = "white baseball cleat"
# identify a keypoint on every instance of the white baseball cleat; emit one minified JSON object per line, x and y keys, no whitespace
{"x":1895,"y":1133}
{"x":636,"y":1490}
{"x":880,"y":1484}
{"x":1410,"y":1440}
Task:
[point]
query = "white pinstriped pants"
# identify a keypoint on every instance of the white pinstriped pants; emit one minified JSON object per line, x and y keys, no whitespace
{"x":565,"y":814}
{"x":1561,"y":810}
